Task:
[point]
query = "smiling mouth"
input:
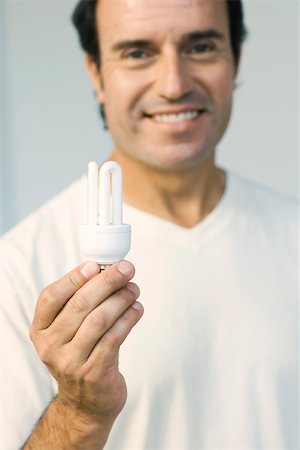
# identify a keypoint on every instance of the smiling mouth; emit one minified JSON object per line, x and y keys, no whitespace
{"x":176,"y":118}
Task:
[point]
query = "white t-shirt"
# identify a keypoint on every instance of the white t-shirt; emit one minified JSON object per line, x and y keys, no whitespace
{"x":213,"y":363}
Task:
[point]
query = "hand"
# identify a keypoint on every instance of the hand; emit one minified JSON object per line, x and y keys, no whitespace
{"x":79,"y":324}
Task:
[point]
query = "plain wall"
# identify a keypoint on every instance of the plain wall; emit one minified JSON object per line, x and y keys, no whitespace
{"x":50,"y":127}
{"x":2,"y":90}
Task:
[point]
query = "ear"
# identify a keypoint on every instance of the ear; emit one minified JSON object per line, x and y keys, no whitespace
{"x":95,"y":77}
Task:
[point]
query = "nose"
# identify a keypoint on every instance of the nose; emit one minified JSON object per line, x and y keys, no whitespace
{"x":173,"y":80}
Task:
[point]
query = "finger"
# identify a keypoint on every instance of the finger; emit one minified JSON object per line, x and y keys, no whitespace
{"x":53,"y":298}
{"x":101,"y":319}
{"x":107,"y":347}
{"x":91,"y":295}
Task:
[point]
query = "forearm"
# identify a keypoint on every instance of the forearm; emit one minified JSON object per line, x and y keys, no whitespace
{"x":60,"y":428}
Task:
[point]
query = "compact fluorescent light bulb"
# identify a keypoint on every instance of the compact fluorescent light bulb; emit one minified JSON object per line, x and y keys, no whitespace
{"x":105,"y":238}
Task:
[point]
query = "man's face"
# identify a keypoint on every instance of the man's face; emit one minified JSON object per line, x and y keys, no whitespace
{"x":167,"y":75}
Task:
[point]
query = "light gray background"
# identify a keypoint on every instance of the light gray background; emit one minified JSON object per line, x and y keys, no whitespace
{"x":49,"y":127}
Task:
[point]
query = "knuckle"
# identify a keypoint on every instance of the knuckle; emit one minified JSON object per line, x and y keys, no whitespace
{"x":32,"y":333}
{"x":72,"y":280}
{"x":110,"y":341}
{"x":47,"y":348}
{"x":91,"y":379}
{"x":110,"y":278}
{"x":45,"y":353}
{"x":67,"y":368}
{"x":79,"y":303}
{"x":99,"y":321}
{"x":126,"y":295}
{"x":127,"y":319}
{"x":120,"y":294}
{"x":47,"y":297}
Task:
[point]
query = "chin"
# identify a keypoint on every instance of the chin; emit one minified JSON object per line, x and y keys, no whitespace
{"x":179,"y":157}
{"x":175,"y":163}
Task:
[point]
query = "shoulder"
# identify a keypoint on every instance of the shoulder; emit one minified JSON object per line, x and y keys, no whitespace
{"x":261,"y":201}
{"x":266,"y":216}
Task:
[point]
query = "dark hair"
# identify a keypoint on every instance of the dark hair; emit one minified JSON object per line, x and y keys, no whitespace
{"x":84,"y":20}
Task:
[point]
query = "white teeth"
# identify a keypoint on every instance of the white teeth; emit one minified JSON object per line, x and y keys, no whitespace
{"x":173,"y":118}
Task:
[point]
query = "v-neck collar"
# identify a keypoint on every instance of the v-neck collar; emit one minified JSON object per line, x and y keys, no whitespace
{"x":221,"y":213}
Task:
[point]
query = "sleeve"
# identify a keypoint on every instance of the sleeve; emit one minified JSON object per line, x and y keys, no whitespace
{"x":26,"y":387}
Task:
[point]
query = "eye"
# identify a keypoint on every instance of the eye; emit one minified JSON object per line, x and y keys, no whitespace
{"x":136,"y":54}
{"x":201,"y":47}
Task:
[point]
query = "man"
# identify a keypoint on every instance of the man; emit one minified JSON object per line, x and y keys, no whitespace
{"x":212,"y":364}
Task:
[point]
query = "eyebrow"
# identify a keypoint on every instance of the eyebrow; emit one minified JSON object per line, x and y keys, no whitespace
{"x":193,"y":36}
{"x":123,"y":45}
{"x":211,"y":33}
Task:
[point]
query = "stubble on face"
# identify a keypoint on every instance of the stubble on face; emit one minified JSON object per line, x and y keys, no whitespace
{"x":130,"y":93}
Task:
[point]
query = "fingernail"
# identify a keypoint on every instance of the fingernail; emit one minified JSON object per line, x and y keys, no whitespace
{"x":137,"y":306}
{"x":89,"y":269}
{"x":125,"y":268}
{"x":133,"y":288}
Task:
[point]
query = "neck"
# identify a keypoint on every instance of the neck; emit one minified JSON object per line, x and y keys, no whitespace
{"x":183,"y":197}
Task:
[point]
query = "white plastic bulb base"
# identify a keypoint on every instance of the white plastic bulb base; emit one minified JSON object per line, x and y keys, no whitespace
{"x":105,"y":244}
